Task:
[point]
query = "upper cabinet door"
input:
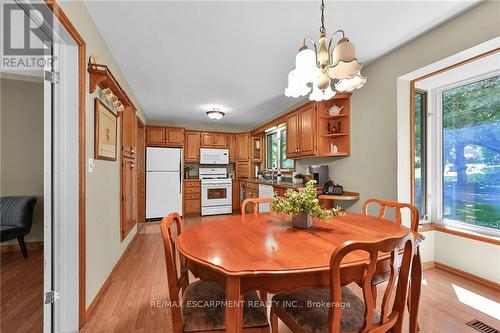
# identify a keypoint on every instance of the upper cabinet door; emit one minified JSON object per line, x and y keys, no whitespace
{"x":192,"y":147}
{"x":242,"y":146}
{"x":155,"y":136}
{"x":232,"y":148}
{"x":174,"y":137}
{"x":207,"y":140}
{"x":292,"y":135}
{"x":257,"y":149}
{"x":307,"y":126}
{"x":220,"y":140}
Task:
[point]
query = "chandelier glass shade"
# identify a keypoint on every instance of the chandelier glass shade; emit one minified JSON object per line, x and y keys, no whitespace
{"x":317,"y":71}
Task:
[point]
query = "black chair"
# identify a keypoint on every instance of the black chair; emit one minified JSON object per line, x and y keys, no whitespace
{"x":16,"y":218}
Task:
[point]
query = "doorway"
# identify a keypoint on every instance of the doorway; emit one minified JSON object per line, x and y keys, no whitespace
{"x":39,"y":154}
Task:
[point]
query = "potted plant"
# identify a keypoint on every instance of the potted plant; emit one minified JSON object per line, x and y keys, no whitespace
{"x":303,"y":206}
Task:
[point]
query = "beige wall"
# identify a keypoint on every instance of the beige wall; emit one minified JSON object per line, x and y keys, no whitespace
{"x":21,"y":128}
{"x":104,"y":247}
{"x":372,"y":167}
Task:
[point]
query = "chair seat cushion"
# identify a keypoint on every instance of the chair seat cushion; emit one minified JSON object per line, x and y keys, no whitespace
{"x":8,"y":232}
{"x":204,"y":308}
{"x":309,"y":308}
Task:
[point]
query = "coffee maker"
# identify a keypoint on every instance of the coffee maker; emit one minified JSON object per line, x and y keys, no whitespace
{"x":319,"y":173}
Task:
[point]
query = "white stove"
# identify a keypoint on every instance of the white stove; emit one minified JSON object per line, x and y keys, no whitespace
{"x":216,"y":191}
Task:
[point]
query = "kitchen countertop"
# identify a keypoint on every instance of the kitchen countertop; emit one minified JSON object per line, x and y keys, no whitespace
{"x":275,"y":183}
{"x":347,"y":196}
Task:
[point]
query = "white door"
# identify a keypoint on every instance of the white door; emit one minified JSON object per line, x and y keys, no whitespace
{"x":47,"y":203}
{"x":163,"y":159}
{"x":163,"y":193}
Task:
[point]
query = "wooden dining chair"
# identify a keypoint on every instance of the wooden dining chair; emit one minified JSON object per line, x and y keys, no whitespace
{"x":398,"y":208}
{"x":339,"y":309}
{"x":210,"y":318}
{"x":255,"y":202}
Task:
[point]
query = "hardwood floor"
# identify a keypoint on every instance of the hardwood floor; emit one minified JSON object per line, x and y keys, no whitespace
{"x":135,"y":299}
{"x":21,"y":291}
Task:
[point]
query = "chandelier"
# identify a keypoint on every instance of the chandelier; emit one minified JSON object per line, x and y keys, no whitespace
{"x":324,"y":68}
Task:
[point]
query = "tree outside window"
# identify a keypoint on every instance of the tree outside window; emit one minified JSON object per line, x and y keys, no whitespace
{"x":471,"y":153}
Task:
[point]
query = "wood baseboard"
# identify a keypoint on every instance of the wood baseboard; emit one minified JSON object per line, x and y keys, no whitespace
{"x":428,"y":265}
{"x":15,"y":247}
{"x":455,"y":271}
{"x":105,"y":286}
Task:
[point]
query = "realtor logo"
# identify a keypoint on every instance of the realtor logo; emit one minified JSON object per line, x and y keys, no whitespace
{"x":26,"y":44}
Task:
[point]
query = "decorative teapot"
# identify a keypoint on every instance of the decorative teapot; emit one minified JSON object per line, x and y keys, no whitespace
{"x":335,"y":110}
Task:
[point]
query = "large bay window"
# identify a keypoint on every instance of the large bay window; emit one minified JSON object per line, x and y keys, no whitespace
{"x":464,"y":169}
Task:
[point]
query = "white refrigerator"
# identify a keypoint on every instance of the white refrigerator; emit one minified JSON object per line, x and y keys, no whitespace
{"x":163,"y":182}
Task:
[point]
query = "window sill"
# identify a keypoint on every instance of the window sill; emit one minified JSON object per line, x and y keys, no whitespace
{"x":458,"y":232}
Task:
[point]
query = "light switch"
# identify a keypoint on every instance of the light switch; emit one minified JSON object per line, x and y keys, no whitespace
{"x":91,"y":165}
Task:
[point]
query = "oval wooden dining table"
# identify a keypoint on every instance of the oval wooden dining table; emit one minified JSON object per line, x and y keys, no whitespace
{"x":264,"y":252}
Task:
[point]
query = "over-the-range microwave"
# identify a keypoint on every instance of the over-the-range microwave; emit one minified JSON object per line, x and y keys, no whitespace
{"x":214,"y":156}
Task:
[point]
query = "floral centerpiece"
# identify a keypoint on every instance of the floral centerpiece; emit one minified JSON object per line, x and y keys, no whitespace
{"x":303,"y":206}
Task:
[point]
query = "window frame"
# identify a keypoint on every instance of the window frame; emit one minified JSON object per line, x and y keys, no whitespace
{"x":423,"y":163}
{"x":277,"y":130}
{"x":435,"y":164}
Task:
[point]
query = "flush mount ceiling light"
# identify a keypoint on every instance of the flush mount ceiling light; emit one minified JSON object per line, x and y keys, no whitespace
{"x":215,"y":114}
{"x":318,"y":70}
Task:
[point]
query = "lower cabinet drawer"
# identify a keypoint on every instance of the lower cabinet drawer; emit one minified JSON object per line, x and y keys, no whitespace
{"x":192,"y":190}
{"x":193,"y":206}
{"x":253,"y":186}
{"x":250,"y":193}
{"x":192,"y":196}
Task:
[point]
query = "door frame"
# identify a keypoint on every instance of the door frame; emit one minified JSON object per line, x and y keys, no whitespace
{"x":65,"y":22}
{"x":141,"y":127}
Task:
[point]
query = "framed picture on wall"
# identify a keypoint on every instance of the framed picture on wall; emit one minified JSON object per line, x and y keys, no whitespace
{"x":105,"y":132}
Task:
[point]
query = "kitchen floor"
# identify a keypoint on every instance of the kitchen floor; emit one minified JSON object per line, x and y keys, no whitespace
{"x":141,"y":280}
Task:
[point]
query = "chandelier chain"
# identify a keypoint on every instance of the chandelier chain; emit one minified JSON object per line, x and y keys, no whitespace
{"x":322,"y":29}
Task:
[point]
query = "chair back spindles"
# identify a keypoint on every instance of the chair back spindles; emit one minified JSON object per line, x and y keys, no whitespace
{"x":392,"y":314}
{"x":397,"y":206}
{"x":255,"y":202}
{"x":177,"y":272}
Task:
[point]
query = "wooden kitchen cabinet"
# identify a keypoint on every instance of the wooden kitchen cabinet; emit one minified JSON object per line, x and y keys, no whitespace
{"x":221,"y":140}
{"x":243,"y":169}
{"x":128,"y":174}
{"x":174,"y":136}
{"x":257,"y":148}
{"x":158,"y":136}
{"x":214,"y":140}
{"x":307,"y":130}
{"x":301,"y":132}
{"x":155,"y":136}
{"x":236,"y":195}
{"x":242,"y":147}
{"x":192,"y":143}
{"x":128,"y":131}
{"x":232,"y":148}
{"x":292,"y":135}
{"x":192,"y":196}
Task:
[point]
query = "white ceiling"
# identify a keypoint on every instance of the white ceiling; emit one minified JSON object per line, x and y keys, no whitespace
{"x":180,"y":57}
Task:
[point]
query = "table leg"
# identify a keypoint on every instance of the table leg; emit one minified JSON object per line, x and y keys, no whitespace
{"x":416,"y":285}
{"x":234,"y":306}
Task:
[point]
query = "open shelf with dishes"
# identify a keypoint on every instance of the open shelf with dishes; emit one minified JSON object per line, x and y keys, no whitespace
{"x":334,"y":126}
